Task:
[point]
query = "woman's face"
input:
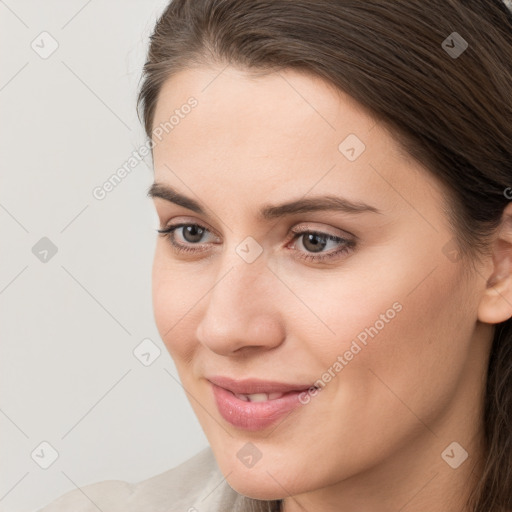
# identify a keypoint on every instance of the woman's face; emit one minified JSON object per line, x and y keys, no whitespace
{"x":373,"y":309}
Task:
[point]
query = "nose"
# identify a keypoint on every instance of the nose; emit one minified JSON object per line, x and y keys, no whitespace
{"x":241,"y":311}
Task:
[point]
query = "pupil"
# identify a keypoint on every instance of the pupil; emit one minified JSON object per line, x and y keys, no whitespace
{"x":317,"y":246}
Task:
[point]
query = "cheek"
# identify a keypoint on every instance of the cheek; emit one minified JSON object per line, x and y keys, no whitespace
{"x":403,"y":333}
{"x":176,"y":295}
{"x":415,"y":361}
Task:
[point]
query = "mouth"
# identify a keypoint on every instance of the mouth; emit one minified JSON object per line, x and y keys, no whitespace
{"x":253,"y":387}
{"x":259,"y":397}
{"x":253,"y":404}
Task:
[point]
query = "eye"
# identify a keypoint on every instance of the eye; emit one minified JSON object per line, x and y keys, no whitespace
{"x":191,"y":233}
{"x":313,"y":242}
{"x":316,"y":241}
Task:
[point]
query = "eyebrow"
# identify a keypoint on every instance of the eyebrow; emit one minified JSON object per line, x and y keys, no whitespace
{"x":269,"y":212}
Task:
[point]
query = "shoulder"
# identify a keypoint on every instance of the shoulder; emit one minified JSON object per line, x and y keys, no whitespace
{"x":196,"y":484}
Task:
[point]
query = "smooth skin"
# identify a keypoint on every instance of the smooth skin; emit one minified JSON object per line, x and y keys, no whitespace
{"x":373,"y":438}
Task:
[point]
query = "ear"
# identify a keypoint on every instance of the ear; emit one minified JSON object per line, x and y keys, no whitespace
{"x":496,"y":302}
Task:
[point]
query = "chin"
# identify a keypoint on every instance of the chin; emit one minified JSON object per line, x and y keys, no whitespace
{"x":260,"y":487}
{"x":266,"y":480}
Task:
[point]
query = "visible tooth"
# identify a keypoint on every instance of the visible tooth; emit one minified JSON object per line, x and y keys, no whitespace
{"x":258,"y":397}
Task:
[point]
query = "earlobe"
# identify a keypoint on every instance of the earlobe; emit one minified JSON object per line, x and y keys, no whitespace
{"x":496,"y":302}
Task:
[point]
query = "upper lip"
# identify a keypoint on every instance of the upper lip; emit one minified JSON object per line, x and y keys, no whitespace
{"x":251,"y":386}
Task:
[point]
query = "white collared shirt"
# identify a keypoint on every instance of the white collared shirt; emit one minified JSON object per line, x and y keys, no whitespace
{"x":196,"y":485}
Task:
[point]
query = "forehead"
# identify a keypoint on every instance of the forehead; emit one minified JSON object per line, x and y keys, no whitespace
{"x":266,"y":114}
{"x":257,"y":136}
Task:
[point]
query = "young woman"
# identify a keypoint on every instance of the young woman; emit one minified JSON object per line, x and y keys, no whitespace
{"x":333,"y":273}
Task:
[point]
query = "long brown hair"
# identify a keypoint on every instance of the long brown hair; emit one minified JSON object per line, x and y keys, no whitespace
{"x":450,"y":111}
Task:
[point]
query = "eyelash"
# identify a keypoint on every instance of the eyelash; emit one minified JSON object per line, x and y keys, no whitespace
{"x":168,"y":233}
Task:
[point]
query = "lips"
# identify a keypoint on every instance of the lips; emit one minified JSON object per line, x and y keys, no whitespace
{"x":253,"y":404}
{"x":256,"y":386}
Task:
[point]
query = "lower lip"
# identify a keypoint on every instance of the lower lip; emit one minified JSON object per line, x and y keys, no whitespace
{"x":253,"y":415}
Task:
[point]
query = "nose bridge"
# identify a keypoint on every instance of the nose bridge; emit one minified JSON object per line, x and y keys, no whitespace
{"x":240,"y":310}
{"x":242,"y":274}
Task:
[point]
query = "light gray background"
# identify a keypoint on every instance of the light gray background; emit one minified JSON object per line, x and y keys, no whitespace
{"x":69,"y":325}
